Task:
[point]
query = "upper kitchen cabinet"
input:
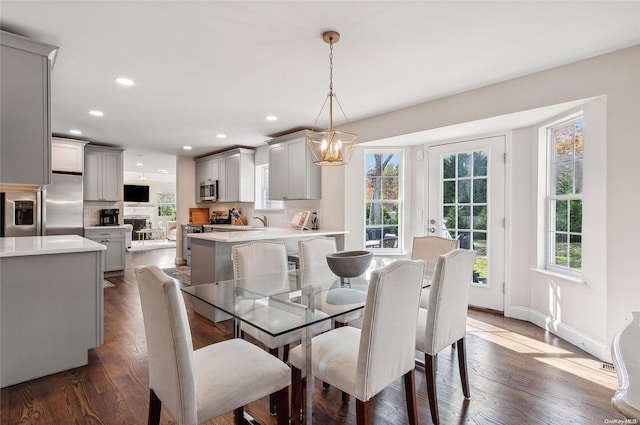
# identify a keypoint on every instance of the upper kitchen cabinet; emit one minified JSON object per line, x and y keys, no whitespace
{"x":25,"y":110}
{"x":234,"y":171}
{"x":237,"y":177}
{"x":292,"y":173}
{"x":103,"y":176}
{"x":67,"y":155}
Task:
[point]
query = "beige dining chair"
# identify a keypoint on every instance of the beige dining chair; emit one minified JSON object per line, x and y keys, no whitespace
{"x":429,"y":248}
{"x":313,"y":256}
{"x":199,"y":385}
{"x":445,"y":321}
{"x":264,"y":258}
{"x":363,"y":362}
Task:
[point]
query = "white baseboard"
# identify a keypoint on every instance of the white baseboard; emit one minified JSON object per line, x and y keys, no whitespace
{"x":584,"y":342}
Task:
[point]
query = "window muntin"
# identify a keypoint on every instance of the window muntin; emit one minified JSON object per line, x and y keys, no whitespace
{"x":262,"y":201}
{"x":564,"y":196}
{"x":383,"y":206}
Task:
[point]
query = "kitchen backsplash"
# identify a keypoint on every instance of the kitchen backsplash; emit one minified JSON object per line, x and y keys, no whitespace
{"x":92,"y":211}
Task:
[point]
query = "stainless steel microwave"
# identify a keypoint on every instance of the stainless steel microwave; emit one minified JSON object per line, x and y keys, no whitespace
{"x":209,"y":190}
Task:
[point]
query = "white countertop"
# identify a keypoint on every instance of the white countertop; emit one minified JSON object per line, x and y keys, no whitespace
{"x":120,"y":226}
{"x":228,"y":227}
{"x":262,"y":234}
{"x":41,"y":245}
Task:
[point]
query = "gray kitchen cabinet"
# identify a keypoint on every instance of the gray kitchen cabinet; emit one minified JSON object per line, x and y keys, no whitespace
{"x":25,"y":110}
{"x":292,"y":173}
{"x":114,"y":240}
{"x":239,"y":176}
{"x":67,"y":155}
{"x":235,"y":172}
{"x":103,"y":176}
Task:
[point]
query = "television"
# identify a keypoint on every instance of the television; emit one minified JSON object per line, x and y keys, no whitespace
{"x":136,"y":193}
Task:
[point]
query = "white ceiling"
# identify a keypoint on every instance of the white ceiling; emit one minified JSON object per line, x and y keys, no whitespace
{"x":208,"y":67}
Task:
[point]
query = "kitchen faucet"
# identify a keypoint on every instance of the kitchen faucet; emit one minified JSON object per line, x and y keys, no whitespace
{"x":263,"y":219}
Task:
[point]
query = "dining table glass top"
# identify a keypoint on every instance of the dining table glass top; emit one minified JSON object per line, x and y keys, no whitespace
{"x":284,"y":302}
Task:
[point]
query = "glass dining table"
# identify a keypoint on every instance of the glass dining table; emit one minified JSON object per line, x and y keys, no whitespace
{"x":291,"y":301}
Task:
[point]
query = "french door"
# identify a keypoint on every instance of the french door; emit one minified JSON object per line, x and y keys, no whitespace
{"x":466,"y":201}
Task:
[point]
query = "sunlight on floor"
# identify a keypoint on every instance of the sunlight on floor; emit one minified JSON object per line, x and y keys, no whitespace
{"x":567,"y":361}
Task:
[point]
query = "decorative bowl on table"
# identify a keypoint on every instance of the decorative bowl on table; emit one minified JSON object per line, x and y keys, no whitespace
{"x":349,"y":263}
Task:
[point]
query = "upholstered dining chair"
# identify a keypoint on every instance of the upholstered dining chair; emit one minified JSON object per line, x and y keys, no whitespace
{"x":199,"y":385}
{"x":429,"y":248}
{"x":262,"y":258}
{"x":313,"y":254}
{"x":445,"y":321}
{"x":363,"y":362}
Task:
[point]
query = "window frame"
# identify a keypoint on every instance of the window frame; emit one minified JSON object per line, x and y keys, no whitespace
{"x":398,"y":248}
{"x":552,"y":198}
{"x":174,"y":204}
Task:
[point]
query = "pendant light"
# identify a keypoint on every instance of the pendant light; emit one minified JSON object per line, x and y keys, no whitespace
{"x":331,"y":147}
{"x":143,"y":178}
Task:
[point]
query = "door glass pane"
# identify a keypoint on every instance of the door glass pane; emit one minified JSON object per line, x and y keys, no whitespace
{"x":449,"y":166}
{"x":480,"y":217}
{"x":464,"y":191}
{"x":480,"y":163}
{"x":479,"y":191}
{"x":464,"y":217}
{"x":464,"y":165}
{"x":371,"y":187}
{"x":449,"y":192}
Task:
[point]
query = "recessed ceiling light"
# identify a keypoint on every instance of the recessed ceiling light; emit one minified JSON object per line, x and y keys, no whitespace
{"x":72,"y":131}
{"x":123,"y":81}
{"x":139,"y":164}
{"x":221,"y":136}
{"x":163,"y":171}
{"x":186,"y":148}
{"x":96,"y":113}
{"x":271,"y":118}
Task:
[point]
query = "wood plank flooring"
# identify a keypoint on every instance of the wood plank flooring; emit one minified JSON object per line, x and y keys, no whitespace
{"x":519,"y":374}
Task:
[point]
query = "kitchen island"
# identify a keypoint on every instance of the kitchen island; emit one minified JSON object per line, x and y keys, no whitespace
{"x":51,"y":304}
{"x":211,"y":254}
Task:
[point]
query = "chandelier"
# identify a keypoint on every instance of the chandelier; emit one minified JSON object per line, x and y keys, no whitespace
{"x":331,"y":147}
{"x":143,"y":178}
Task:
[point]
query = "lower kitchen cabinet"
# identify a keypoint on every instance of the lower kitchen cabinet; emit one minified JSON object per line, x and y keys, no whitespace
{"x":114,"y":240}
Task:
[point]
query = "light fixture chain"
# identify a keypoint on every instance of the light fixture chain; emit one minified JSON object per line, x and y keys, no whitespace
{"x":331,"y":67}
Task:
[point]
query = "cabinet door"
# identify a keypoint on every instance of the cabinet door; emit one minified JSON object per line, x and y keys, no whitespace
{"x":115,"y":255}
{"x":278,"y":174}
{"x":232,"y":178}
{"x":24,"y":118}
{"x":297,"y":166}
{"x":110,"y":175}
{"x":93,"y":175}
{"x":67,"y":156}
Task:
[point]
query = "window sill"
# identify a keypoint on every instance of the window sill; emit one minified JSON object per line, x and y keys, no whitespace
{"x":568,"y":278}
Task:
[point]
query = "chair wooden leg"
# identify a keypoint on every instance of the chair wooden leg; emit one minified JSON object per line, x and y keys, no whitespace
{"x":285,"y":353}
{"x":430,"y":374}
{"x":282,"y":401}
{"x":272,"y":397}
{"x":462,"y":363}
{"x":410,"y":394}
{"x":362,"y":412}
{"x":238,"y":416}
{"x":345,"y":397}
{"x":339,"y":324}
{"x":325,"y":385}
{"x":155,"y":407}
{"x":296,"y":395}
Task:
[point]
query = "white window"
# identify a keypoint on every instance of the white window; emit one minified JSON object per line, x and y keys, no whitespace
{"x":564,"y":196}
{"x":383,"y":194}
{"x":167,"y":204}
{"x":262,"y":190}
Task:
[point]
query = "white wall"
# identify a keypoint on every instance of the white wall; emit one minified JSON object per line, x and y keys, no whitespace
{"x":591,"y":313}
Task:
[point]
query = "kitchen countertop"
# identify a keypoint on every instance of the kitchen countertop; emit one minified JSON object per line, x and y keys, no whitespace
{"x":42,"y":245}
{"x":231,"y":227}
{"x":261,"y":233}
{"x":120,"y":226}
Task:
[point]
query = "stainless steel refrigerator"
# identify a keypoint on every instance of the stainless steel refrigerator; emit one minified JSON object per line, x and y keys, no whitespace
{"x":55,"y":210}
{"x":62,"y":206}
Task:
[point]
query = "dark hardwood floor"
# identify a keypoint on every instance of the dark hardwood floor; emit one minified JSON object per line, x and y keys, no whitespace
{"x":519,"y":374}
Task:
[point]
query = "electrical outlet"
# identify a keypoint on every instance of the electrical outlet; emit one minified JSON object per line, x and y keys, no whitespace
{"x":420,"y":155}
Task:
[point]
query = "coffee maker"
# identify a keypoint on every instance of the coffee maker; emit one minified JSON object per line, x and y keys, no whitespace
{"x":109,"y":217}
